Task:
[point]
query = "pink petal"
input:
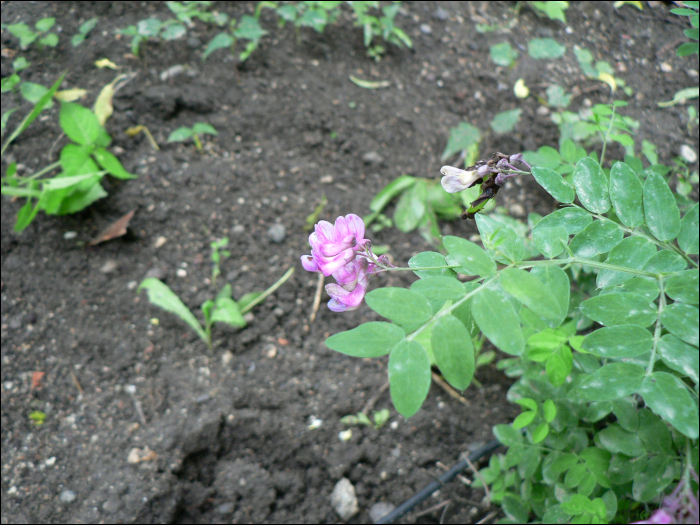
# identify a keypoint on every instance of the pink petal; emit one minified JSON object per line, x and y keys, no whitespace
{"x":309,"y":264}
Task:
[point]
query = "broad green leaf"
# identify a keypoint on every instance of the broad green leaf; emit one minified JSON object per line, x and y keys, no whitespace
{"x":33,"y":92}
{"x":439,"y":289}
{"x":654,"y":433}
{"x":180,"y":134}
{"x":620,"y":308}
{"x":645,"y":286}
{"x":373,"y":339}
{"x":498,"y":321}
{"x":59,"y":183}
{"x":600,"y":236}
{"x":391,"y":190}
{"x":500,"y":238}
{"x":461,"y":138}
{"x":411,"y":207}
{"x":173,"y":32}
{"x":79,"y":123}
{"x":544,"y":48}
{"x":574,"y":475}
{"x":631,"y":252}
{"x":622,"y":470}
{"x":591,"y":185}
{"x":665,"y":261}
{"x":472,"y":259}
{"x":657,"y":474}
{"x":503,"y":54}
{"x":597,"y":462}
{"x":625,"y":340}
{"x":227,"y":311}
{"x":660,"y":210}
{"x":557,"y":283}
{"x":528,"y":289}
{"x":409,"y":377}
{"x":552,"y":232}
{"x":688,"y":236}
{"x":682,"y":321}
{"x":554,"y":184}
{"x":506,"y":121}
{"x":558,"y":365}
{"x":668,"y":397}
{"x":683,"y":287}
{"x":515,"y":508}
{"x":163,"y":297}
{"x":247,"y":299}
{"x":609,"y":382}
{"x":220,"y":41}
{"x":453,"y":350}
{"x":35,"y":112}
{"x":626,"y":195}
{"x":679,"y":356}
{"x":618,"y":441}
{"x":76,"y":160}
{"x":429,"y":260}
{"x":408,"y":309}
{"x":111,"y":164}
{"x":45,"y":24}
{"x":201,"y":128}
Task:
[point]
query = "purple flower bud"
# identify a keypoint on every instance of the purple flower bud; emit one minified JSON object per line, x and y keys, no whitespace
{"x":352,"y":285}
{"x":518,"y":157}
{"x":455,"y":179}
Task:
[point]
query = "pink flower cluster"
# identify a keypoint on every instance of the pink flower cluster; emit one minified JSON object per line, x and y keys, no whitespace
{"x":679,"y":507}
{"x":341,"y":250}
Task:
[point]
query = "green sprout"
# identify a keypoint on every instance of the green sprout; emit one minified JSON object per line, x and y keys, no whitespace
{"x":27,"y":37}
{"x":83,"y":32}
{"x":200,"y":128}
{"x":380,"y":418}
{"x":37,"y":417}
{"x":216,"y":256}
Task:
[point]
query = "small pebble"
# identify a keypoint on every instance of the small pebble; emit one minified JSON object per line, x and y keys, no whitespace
{"x":426,"y":29}
{"x":344,"y":500}
{"x":50,"y":462}
{"x":70,"y":235}
{"x":172,"y":72}
{"x":441,"y":14}
{"x":688,"y":154}
{"x":277,"y":233}
{"x":326,"y":179}
{"x":67,"y":496}
{"x":379,"y":510}
{"x":345,"y":435}
{"x":193,"y":42}
{"x":238,"y":228}
{"x":109,"y":266}
{"x":225,"y":508}
{"x":181,"y":272}
{"x":160,"y":241}
{"x":156,"y":273}
{"x":372,"y":157}
{"x":666,"y":67}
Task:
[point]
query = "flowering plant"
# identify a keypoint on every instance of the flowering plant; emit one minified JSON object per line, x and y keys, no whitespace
{"x":610,"y":417}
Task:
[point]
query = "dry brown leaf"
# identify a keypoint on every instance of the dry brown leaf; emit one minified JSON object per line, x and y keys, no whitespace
{"x":114,"y":230}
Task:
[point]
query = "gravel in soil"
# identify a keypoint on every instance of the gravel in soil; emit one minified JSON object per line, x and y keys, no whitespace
{"x":143,"y":423}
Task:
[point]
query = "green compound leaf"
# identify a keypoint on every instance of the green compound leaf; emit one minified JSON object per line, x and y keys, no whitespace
{"x":610,"y":382}
{"x":472,"y":259}
{"x":665,"y":261}
{"x":625,"y":340}
{"x":626,"y":195}
{"x":373,"y":339}
{"x":439,"y":289}
{"x":162,"y":296}
{"x":428,"y":260}
{"x":552,"y":232}
{"x":554,"y":184}
{"x":660,"y":209}
{"x":409,"y":377}
{"x":658,"y":473}
{"x":591,"y":185}
{"x":668,"y":397}
{"x":598,"y":237}
{"x":79,"y":123}
{"x":620,"y":308}
{"x":410,"y":310}
{"x":528,"y":289}
{"x":618,"y":441}
{"x":501,"y":238}
{"x":645,"y":286}
{"x":682,"y":321}
{"x":557,"y":282}
{"x":461,"y":138}
{"x":632,"y":252}
{"x":683,"y":287}
{"x":496,"y":317}
{"x":688,"y":236}
{"x":679,"y":356}
{"x":453,"y":350}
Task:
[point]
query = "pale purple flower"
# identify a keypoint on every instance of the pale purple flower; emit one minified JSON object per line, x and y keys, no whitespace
{"x":679,"y":507}
{"x":455,"y":179}
{"x":335,"y":245}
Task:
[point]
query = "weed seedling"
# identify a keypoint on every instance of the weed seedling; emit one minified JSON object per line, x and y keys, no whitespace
{"x":379,"y":417}
{"x":184,"y":133}
{"x":27,"y":37}
{"x":216,"y":256}
{"x":83,"y":32}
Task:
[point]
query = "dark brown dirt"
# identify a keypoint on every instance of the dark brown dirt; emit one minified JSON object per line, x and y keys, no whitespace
{"x":229,"y":428}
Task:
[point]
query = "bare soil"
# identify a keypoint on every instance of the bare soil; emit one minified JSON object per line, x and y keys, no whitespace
{"x":229,"y":429}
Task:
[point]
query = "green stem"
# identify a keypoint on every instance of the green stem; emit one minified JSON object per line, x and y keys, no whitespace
{"x":605,"y":137}
{"x":197,"y":142}
{"x":50,"y":167}
{"x":267,"y":292}
{"x":657,"y":328}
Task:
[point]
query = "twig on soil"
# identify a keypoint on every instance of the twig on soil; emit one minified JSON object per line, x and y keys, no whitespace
{"x":373,"y":400}
{"x":131,"y":390}
{"x":481,"y":478}
{"x":317,"y":298}
{"x":487,"y":517}
{"x":432,"y":509}
{"x":75,"y":380}
{"x":447,"y":388}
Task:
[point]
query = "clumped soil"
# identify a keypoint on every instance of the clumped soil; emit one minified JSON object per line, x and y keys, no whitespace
{"x":224,"y":435}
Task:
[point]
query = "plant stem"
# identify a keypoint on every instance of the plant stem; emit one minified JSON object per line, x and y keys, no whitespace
{"x":197,"y":142}
{"x":267,"y":292}
{"x":39,"y":173}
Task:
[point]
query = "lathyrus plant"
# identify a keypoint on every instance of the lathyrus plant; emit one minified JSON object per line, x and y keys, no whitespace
{"x":610,"y":415}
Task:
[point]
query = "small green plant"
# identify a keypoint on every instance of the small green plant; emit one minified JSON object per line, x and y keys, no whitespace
{"x":552,"y":10}
{"x":217,"y":253}
{"x":83,"y":32}
{"x":382,"y":27}
{"x":37,"y":417}
{"x":691,"y":11}
{"x":503,"y":54}
{"x":41,"y":36}
{"x":200,"y":128}
{"x":186,"y":12}
{"x":153,"y":28}
{"x":223,"y":309}
{"x":83,"y":162}
{"x":247,"y":29}
{"x":379,"y":419}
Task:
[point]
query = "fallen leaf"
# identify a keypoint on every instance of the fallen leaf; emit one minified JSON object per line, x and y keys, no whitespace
{"x":106,"y":62}
{"x":116,"y":229}
{"x":36,"y":379}
{"x":70,"y":95}
{"x":8,"y":53}
{"x":367,"y":84}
